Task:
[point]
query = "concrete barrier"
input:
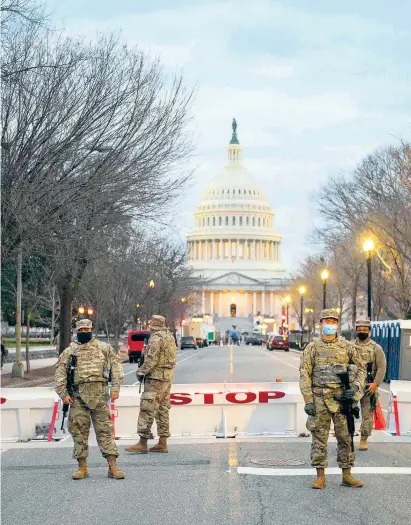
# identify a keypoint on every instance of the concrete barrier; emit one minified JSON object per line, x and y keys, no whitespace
{"x":399,"y":408}
{"x":216,"y":409}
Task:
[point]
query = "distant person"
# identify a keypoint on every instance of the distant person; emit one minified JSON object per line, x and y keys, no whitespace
{"x":4,"y":354}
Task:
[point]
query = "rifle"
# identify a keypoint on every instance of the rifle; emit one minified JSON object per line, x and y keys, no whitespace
{"x":370,"y":379}
{"x":346,"y":407}
{"x":70,"y":384}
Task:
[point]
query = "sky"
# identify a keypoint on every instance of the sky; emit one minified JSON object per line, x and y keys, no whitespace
{"x":314,"y":86}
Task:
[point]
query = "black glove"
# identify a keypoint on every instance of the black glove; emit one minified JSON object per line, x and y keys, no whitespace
{"x":309,"y":409}
{"x":350,"y":393}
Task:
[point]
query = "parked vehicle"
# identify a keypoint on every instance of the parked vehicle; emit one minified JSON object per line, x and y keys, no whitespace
{"x":136,"y":342}
{"x":188,"y":342}
{"x":203,"y":333}
{"x":255,"y":339}
{"x":278,"y":342}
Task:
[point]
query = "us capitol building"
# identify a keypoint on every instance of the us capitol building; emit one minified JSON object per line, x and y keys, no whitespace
{"x":236,"y":251}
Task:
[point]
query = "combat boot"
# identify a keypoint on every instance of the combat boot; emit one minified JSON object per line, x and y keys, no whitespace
{"x":139,"y":448}
{"x":113,"y":470}
{"x":161,"y":446}
{"x":82,"y":471}
{"x":319,"y":483}
{"x":348,"y":480}
{"x":363,"y":443}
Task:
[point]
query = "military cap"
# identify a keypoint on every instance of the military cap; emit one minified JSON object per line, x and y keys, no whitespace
{"x":84,"y":323}
{"x":363,"y":322}
{"x":158,"y":321}
{"x":329,"y":313}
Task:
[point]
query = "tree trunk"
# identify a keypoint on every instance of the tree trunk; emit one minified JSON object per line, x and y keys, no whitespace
{"x":66,"y":298}
{"x":18,"y":367}
{"x":28,"y":343}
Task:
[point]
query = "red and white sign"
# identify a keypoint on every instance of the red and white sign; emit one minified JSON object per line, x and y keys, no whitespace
{"x":221,"y":398}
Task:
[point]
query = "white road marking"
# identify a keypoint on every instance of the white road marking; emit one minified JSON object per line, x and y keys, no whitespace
{"x":255,"y":471}
{"x":383,"y":389}
{"x":185,"y":359}
{"x":281,"y":361}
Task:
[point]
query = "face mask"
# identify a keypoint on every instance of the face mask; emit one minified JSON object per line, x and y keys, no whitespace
{"x":362,"y":336}
{"x":84,"y":337}
{"x":329,"y":329}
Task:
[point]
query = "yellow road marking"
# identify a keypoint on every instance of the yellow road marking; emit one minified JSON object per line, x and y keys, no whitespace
{"x":232,"y":455}
{"x":231,"y":361}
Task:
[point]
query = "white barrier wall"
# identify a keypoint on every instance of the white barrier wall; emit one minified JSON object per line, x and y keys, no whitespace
{"x":399,"y":408}
{"x":214,"y":409}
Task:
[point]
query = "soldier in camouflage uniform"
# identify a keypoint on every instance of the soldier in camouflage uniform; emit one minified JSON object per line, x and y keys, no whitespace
{"x":95,"y":359}
{"x":157,"y":373}
{"x":320,"y":384}
{"x":370,"y":352}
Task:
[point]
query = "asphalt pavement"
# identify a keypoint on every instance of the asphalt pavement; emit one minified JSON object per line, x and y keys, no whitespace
{"x":242,"y":481}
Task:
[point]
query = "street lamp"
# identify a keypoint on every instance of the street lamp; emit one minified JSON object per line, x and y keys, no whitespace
{"x":368,"y":247}
{"x":183,"y":299}
{"x":302,"y":292}
{"x":287,"y":302}
{"x":151,"y":284}
{"x":324,"y":276}
{"x":90,"y":311}
{"x":81,"y":310}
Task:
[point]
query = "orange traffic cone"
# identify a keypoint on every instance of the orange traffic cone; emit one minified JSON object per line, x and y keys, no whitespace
{"x":379,"y":419}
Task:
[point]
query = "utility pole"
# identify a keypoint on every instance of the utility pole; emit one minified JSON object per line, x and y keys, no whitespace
{"x":18,"y":367}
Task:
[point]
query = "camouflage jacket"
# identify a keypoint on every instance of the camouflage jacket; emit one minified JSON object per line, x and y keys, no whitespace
{"x":320,"y":362}
{"x":94,"y":362}
{"x":371,"y":352}
{"x":160,"y":356}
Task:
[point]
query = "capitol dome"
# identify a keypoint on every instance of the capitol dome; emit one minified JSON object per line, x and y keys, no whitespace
{"x":235,"y":249}
{"x":234,"y":223}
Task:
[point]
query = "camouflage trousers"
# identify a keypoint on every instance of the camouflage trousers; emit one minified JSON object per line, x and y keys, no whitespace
{"x":154,"y":404}
{"x":319,"y":426}
{"x":367,"y":416}
{"x":79,"y":427}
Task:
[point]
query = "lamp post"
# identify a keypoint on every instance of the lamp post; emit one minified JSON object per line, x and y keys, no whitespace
{"x":324,"y":276}
{"x":287,"y":302}
{"x":302,"y":292}
{"x":368,"y":247}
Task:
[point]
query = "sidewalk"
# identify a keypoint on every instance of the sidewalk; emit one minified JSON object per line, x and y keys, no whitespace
{"x":41,"y":372}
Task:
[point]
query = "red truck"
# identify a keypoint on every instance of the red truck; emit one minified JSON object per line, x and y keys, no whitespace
{"x":136,"y":343}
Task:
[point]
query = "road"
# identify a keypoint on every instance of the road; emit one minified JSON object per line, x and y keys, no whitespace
{"x":208,"y":481}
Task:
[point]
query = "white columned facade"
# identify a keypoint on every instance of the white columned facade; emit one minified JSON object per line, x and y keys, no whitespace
{"x":234,"y":247}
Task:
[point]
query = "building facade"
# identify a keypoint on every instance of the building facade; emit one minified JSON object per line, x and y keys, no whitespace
{"x":235,"y":249}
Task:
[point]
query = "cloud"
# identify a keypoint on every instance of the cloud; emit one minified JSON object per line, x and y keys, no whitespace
{"x":313,"y":89}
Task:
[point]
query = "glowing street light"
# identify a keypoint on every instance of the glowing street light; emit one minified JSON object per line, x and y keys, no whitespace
{"x":81,"y":310}
{"x":151,"y":284}
{"x":90,"y":311}
{"x":324,"y":276}
{"x":368,"y":247}
{"x":302,"y":291}
{"x":287,"y":302}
